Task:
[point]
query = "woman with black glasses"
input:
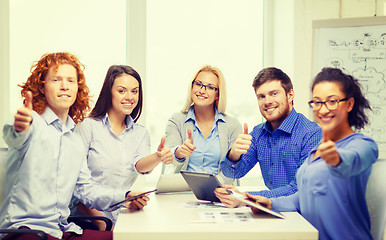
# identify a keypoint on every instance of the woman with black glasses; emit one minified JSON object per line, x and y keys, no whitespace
{"x":201,"y":134}
{"x":332,"y":180}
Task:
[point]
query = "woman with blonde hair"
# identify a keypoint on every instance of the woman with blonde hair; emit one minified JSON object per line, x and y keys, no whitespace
{"x":201,"y":134}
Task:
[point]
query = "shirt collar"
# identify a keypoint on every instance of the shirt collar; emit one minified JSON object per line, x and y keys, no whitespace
{"x":191,"y":116}
{"x":287,"y":125}
{"x":129,"y":121}
{"x":51,"y":118}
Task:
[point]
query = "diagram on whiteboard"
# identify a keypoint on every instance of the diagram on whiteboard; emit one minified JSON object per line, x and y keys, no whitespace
{"x":361,"y":52}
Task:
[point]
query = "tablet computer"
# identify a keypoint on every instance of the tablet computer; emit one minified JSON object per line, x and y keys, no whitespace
{"x":202,"y":185}
{"x":168,"y":183}
{"x":258,"y":206}
{"x":132,"y":198}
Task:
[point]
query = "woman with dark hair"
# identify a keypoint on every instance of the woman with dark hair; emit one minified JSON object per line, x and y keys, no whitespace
{"x":332,"y":180}
{"x":118,"y":147}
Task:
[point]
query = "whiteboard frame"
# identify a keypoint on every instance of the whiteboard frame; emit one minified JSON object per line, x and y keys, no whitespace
{"x":336,"y":23}
{"x":349,"y":22}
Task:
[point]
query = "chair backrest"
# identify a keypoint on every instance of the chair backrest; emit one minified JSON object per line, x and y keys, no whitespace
{"x":3,"y":159}
{"x":376,"y":199}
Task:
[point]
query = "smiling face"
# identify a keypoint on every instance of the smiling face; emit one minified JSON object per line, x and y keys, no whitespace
{"x":61,"y":88}
{"x":203,"y":96}
{"x":125,"y":94}
{"x":334,"y":121}
{"x":274,"y":103}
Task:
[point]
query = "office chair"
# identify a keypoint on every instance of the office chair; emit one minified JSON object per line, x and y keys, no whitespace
{"x":376,"y":199}
{"x":83,"y":221}
{"x":42,"y":235}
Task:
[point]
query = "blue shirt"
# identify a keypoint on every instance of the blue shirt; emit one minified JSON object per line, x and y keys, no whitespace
{"x":333,"y":199}
{"x":206,"y":156}
{"x":45,"y":166}
{"x":279,"y":153}
{"x":111,"y":158}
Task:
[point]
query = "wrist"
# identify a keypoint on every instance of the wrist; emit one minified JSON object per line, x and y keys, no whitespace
{"x":177,"y":155}
{"x":232,"y":156}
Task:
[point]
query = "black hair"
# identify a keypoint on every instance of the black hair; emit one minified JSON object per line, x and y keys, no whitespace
{"x":104,"y":101}
{"x":352,"y":88}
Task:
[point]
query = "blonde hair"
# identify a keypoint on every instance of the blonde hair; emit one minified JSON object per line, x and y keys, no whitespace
{"x":221,"y":102}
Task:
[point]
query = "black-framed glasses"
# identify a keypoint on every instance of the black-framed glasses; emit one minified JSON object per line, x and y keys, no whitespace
{"x":208,"y":88}
{"x":330,"y":104}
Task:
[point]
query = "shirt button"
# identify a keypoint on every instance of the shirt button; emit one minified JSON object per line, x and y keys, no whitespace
{"x":233,"y":165}
{"x":272,"y":164}
{"x":270,"y":182}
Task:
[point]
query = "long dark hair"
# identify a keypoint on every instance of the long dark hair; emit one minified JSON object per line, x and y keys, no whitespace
{"x":352,"y":88}
{"x":104,"y":102}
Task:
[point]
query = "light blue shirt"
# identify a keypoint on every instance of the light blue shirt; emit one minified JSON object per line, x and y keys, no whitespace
{"x":206,"y":156}
{"x":45,"y":166}
{"x":111,"y":158}
{"x":333,"y":199}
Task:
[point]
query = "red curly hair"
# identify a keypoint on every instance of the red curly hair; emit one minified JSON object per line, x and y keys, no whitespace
{"x":35,"y":84}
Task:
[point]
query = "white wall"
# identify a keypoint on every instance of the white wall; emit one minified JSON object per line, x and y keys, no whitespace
{"x":95,"y":31}
{"x":4,"y":65}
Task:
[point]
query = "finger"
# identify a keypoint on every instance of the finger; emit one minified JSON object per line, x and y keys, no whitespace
{"x":161,"y":145}
{"x":28,"y":100}
{"x":325,"y":135}
{"x":244,"y":142}
{"x":20,"y":127}
{"x":190,"y":146}
{"x":141,"y":202}
{"x":245,"y":128}
{"x":190,"y":137}
{"x":22,"y":116}
{"x":221,"y":191}
{"x":168,"y":158}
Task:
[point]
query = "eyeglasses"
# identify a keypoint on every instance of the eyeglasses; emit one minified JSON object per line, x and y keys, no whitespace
{"x":330,"y":104}
{"x":208,"y":88}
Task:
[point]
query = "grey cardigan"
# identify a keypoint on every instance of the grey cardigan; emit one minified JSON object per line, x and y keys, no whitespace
{"x":176,"y":134}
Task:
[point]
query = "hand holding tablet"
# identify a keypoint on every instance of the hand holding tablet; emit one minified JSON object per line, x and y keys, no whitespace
{"x":255,"y":205}
{"x":117,"y":205}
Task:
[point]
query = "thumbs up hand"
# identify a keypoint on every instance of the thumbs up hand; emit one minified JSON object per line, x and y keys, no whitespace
{"x":23,"y":116}
{"x":327,"y":150}
{"x":187,"y":148}
{"x":241,"y":146}
{"x":163,"y":153}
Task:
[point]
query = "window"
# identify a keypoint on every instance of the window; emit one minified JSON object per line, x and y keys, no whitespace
{"x":181,"y":37}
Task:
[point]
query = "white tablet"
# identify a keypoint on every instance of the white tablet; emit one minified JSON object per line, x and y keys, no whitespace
{"x":168,"y":183}
{"x":242,"y":198}
{"x":202,"y":185}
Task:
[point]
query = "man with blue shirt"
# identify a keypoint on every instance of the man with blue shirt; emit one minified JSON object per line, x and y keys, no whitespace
{"x":279,"y":145}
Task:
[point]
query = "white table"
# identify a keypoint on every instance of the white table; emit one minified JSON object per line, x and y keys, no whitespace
{"x":165,"y":218}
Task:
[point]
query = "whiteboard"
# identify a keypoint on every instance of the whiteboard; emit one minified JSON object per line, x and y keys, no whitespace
{"x":358,"y":47}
